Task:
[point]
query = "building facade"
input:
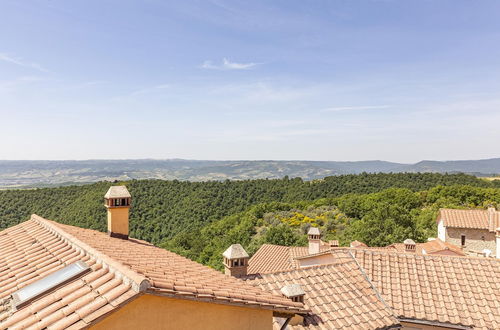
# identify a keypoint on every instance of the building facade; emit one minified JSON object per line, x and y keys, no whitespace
{"x":475,"y":231}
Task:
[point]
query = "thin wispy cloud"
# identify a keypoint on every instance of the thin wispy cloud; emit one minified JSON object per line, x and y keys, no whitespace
{"x":12,"y":85}
{"x":20,"y":62}
{"x":228,"y":65}
{"x":354,"y":108}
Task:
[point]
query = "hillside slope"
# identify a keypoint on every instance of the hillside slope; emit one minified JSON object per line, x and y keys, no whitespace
{"x":162,"y":209}
{"x":377,"y":219}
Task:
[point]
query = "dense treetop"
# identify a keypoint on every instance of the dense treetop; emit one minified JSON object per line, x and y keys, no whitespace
{"x":198,"y":219}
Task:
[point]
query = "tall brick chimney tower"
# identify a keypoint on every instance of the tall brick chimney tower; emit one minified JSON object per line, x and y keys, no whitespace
{"x":117,"y":201}
{"x":235,"y":261}
{"x":314,"y":239}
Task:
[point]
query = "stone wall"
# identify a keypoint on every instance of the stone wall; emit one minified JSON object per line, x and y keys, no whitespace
{"x":475,"y":239}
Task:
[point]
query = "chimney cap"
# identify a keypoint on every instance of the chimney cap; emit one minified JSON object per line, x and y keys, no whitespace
{"x":409,"y":241}
{"x":235,"y":251}
{"x":313,"y":231}
{"x":117,"y":192}
{"x":292,"y":290}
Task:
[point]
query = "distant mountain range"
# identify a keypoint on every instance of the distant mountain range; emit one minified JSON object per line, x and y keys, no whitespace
{"x":14,"y":173}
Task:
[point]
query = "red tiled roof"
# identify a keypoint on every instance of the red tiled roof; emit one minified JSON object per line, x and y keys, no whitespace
{"x":271,"y":258}
{"x":431,"y":247}
{"x":444,"y":289}
{"x":29,"y":252}
{"x":339,"y":296}
{"x":474,"y":219}
{"x":358,"y":244}
{"x":457,"y":290}
{"x":120,"y":271}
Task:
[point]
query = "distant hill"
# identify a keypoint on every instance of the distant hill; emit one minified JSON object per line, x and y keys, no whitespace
{"x":57,"y":173}
{"x":482,"y":166}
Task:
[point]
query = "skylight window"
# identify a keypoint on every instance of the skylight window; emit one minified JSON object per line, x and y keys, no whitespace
{"x":50,"y":282}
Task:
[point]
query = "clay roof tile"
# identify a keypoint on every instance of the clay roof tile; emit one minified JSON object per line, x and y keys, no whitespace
{"x":38,"y":247}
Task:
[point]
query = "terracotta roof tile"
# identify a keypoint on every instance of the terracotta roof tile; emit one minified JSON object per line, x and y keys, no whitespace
{"x":272,"y":258}
{"x":438,"y":288}
{"x":339,"y":296}
{"x":120,"y":270}
{"x":358,"y":244}
{"x":438,"y":293}
{"x":27,"y":253}
{"x":475,"y":219}
{"x":435,"y":246}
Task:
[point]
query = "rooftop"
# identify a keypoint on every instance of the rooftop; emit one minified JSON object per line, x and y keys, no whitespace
{"x":474,"y":219}
{"x":443,"y":289}
{"x":119,"y":272}
{"x":339,"y":296}
{"x":440,"y":289}
{"x":357,"y":244}
{"x":272,"y":258}
{"x":431,"y":247}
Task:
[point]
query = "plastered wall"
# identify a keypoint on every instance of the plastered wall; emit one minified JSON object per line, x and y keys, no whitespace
{"x":150,"y":312}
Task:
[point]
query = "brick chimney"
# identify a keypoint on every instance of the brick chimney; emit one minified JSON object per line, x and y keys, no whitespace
{"x":117,"y":201}
{"x":314,"y":238}
{"x":235,"y":261}
{"x":410,"y":245}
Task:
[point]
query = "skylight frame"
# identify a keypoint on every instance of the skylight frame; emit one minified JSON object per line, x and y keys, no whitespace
{"x":49,"y":283}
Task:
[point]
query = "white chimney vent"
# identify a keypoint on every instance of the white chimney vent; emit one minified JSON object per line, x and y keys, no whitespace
{"x":294,"y":292}
{"x":410,"y":245}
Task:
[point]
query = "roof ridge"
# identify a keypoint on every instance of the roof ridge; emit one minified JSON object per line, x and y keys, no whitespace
{"x":374,"y":288}
{"x":432,"y":256}
{"x":281,"y":271}
{"x":138,"y":282}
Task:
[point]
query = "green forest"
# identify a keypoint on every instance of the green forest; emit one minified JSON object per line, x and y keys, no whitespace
{"x":200,"y":219}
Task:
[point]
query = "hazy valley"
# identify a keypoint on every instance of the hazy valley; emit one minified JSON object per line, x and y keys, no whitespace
{"x":15,"y":174}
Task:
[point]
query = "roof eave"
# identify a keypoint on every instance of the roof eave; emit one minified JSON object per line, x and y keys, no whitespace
{"x":194,"y":297}
{"x":435,"y":323}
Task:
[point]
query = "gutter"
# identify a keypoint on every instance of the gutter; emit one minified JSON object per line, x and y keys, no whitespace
{"x":435,"y":323}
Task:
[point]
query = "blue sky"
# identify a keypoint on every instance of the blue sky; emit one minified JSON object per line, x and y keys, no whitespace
{"x":317,"y":80}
